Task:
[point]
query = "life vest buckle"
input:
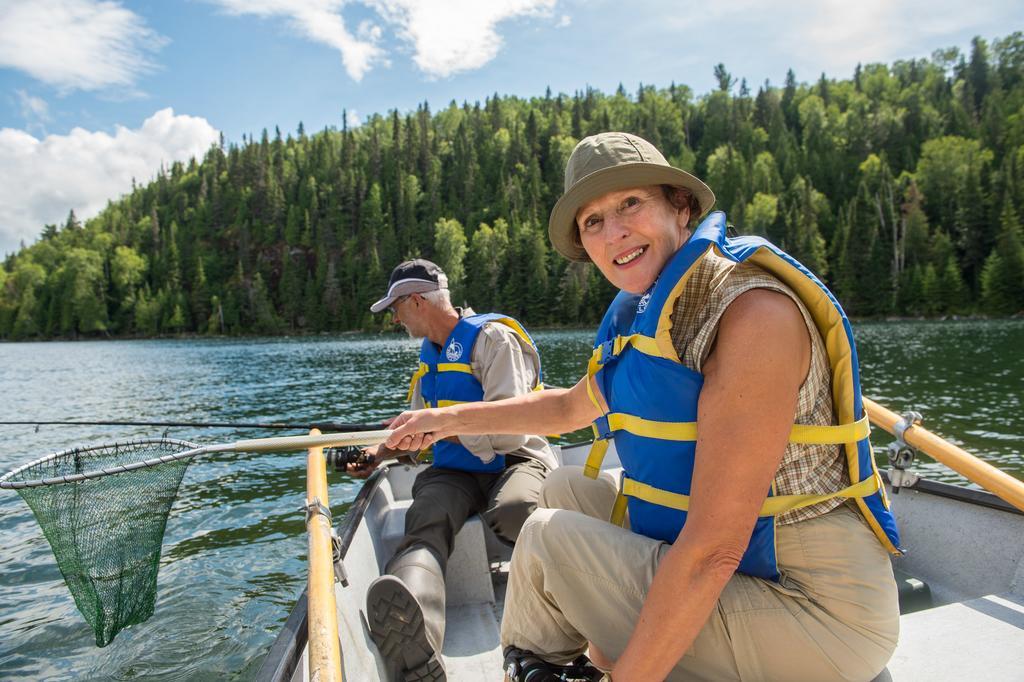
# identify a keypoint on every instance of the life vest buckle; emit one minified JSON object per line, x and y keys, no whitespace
{"x":602,"y":429}
{"x":607,"y":352}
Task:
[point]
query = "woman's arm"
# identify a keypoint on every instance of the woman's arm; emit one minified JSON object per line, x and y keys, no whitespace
{"x":745,"y":413}
{"x":555,"y":410}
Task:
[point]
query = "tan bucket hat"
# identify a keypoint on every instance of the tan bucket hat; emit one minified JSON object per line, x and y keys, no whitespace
{"x":607,"y":162}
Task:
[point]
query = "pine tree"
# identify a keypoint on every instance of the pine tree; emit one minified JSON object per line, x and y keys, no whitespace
{"x":450,"y":253}
{"x":1002,"y":278}
{"x":200,"y":298}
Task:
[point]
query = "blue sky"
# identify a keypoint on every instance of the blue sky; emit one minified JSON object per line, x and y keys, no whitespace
{"x":96,"y":92}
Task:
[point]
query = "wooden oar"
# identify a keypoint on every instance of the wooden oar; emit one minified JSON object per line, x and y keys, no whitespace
{"x":982,"y":473}
{"x":324,"y":647}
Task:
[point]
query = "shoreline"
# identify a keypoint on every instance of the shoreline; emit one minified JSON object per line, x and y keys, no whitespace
{"x":382,"y":332}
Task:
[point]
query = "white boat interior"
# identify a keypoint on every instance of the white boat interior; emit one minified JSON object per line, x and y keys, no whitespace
{"x":961,"y":586}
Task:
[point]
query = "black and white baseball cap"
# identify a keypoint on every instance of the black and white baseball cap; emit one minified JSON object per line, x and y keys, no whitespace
{"x":416,"y":276}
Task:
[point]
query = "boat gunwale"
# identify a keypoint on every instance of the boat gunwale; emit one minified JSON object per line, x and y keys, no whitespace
{"x":982,"y":498}
{"x":285,"y":653}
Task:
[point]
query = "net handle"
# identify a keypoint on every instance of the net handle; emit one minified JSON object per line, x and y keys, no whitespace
{"x":280,"y":444}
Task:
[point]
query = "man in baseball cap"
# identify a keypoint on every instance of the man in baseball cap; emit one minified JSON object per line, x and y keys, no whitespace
{"x":464,"y":357}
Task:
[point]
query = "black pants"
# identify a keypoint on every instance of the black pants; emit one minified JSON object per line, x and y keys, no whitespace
{"x":442,"y":500}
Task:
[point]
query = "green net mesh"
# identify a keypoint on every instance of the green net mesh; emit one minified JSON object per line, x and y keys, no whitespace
{"x":106,"y":532}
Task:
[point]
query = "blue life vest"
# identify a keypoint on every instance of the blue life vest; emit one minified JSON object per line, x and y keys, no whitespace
{"x":652,"y":401}
{"x":446,"y":378}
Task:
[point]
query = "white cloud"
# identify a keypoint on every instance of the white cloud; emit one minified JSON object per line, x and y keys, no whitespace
{"x":352,"y":119}
{"x":831,"y":35}
{"x":76,"y":44}
{"x":320,"y":21}
{"x":42,"y":179}
{"x":34,"y":109}
{"x":456,"y":35}
{"x":445,"y":36}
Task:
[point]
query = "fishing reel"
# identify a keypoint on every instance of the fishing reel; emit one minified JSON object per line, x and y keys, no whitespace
{"x":525,"y":666}
{"x":339,"y":457}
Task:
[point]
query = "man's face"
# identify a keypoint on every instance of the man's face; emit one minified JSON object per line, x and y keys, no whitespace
{"x":408,"y":312}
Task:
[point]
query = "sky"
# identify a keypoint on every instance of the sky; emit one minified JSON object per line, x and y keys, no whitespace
{"x":97,"y":93}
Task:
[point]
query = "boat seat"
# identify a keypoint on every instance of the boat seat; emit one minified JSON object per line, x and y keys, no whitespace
{"x":914,"y":593}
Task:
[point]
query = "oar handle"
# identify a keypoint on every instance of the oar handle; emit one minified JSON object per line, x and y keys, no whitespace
{"x":293,"y":443}
{"x":982,"y":473}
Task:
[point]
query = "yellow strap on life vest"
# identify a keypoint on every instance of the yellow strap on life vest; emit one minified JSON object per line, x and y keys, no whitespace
{"x":647,"y":345}
{"x":591,"y":370}
{"x":802,"y":434}
{"x":644,"y":344}
{"x":618,"y":514}
{"x":773,"y":506}
{"x":809,"y":434}
{"x":441,"y":367}
{"x":454,"y":367}
{"x":596,"y":456}
{"x":517,"y":328}
{"x":416,"y":376}
{"x":444,"y":403}
{"x":647,"y":428}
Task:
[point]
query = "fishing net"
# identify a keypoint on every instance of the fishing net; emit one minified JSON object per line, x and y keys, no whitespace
{"x":104,"y":510}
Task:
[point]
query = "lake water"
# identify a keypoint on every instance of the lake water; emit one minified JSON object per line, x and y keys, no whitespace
{"x":234,"y":550}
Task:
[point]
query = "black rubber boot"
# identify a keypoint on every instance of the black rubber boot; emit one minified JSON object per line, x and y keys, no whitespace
{"x":405,"y":609}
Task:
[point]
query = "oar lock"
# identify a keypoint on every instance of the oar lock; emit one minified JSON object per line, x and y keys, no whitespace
{"x":902,"y":454}
{"x":316,"y":508}
{"x":340,"y":574}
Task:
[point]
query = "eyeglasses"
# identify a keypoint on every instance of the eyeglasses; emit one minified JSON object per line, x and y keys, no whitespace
{"x":394,"y":305}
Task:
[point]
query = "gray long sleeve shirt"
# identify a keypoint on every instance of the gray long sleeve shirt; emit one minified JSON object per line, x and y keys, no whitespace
{"x":506,"y":366}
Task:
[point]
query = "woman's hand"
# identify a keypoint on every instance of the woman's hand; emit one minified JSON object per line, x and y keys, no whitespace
{"x":419,"y":429}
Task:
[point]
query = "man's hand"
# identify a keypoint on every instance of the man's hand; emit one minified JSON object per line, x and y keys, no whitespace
{"x":373,"y":457}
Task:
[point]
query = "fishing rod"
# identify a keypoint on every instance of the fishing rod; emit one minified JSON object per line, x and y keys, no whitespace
{"x":326,"y":426}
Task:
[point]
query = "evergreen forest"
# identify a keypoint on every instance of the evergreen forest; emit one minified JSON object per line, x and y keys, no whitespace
{"x":900,"y":186}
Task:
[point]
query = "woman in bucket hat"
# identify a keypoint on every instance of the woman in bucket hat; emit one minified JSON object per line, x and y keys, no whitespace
{"x":749,"y":530}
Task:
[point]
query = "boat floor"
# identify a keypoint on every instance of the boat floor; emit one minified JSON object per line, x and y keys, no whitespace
{"x":472,"y":648}
{"x":967,"y":640}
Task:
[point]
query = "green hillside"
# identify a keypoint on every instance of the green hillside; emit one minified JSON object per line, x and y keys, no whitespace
{"x":900,"y":186}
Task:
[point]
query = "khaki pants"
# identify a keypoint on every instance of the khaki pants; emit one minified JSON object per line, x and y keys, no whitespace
{"x":576,"y":578}
{"x":442,"y":500}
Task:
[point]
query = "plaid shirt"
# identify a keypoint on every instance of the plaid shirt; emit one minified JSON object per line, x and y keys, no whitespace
{"x":713,"y":285}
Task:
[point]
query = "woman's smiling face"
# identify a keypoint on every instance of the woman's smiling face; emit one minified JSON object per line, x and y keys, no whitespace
{"x":631,"y":234}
